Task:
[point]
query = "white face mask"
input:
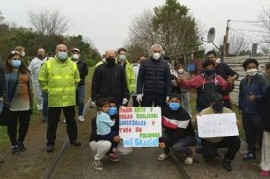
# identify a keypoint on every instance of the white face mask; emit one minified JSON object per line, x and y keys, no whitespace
{"x":156,"y":56}
{"x":103,"y":60}
{"x":75,"y":56}
{"x":252,"y":72}
{"x":122,"y":57}
{"x":180,"y":70}
{"x":22,"y":54}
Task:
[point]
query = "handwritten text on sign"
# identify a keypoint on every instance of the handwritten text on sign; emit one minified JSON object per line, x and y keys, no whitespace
{"x":140,"y":126}
{"x":217,"y":125}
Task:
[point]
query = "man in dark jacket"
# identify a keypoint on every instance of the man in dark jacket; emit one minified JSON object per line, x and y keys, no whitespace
{"x":80,"y":91}
{"x":228,"y":74}
{"x":250,"y":91}
{"x":154,"y":80}
{"x":109,"y":80}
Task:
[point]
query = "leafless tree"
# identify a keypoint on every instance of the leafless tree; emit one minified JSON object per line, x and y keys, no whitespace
{"x":2,"y":18}
{"x":238,"y":43}
{"x":48,"y":22}
{"x":264,"y":17}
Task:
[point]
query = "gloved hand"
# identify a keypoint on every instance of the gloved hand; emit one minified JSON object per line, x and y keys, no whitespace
{"x":125,"y":101}
{"x":167,"y":99}
{"x":139,"y":98}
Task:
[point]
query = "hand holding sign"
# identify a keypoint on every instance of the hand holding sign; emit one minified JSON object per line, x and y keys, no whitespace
{"x":217,"y":125}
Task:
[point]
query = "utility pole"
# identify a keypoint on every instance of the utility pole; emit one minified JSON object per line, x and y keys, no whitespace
{"x":225,"y":49}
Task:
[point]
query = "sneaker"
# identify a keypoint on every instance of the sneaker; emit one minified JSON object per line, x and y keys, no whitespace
{"x":21,"y":147}
{"x":92,"y":104}
{"x":50,"y":148}
{"x":80,"y":118}
{"x":76,"y":143}
{"x":264,"y":173}
{"x":227,"y":164}
{"x":113,"y":157}
{"x":64,"y":120}
{"x":249,"y":156}
{"x":163,"y":156}
{"x":188,"y":160}
{"x":15,"y":150}
{"x":97,"y":165}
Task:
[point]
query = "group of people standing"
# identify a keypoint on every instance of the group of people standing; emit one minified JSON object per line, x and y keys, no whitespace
{"x":59,"y":84}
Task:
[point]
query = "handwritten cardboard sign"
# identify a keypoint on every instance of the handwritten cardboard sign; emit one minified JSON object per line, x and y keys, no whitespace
{"x":217,"y":125}
{"x":140,"y":126}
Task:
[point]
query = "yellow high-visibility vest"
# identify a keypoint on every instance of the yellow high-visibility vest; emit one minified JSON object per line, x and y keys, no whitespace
{"x":60,"y":79}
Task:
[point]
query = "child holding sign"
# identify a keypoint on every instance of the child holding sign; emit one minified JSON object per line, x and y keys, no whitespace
{"x":178,"y":133}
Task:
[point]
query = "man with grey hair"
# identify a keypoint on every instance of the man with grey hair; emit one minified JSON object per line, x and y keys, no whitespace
{"x":154,"y":80}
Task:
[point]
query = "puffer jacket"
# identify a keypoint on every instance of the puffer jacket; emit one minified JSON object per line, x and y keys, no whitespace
{"x":154,"y":78}
{"x":255,"y":85}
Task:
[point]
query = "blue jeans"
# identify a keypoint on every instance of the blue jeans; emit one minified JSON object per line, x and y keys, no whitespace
{"x":45,"y":105}
{"x":80,"y":92}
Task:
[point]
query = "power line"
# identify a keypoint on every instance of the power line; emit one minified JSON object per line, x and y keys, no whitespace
{"x":247,"y":21}
{"x":247,"y":30}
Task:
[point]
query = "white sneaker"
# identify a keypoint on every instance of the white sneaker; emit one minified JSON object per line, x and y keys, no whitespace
{"x":188,"y":161}
{"x":163,"y":156}
{"x":65,"y":121}
{"x":81,"y":119}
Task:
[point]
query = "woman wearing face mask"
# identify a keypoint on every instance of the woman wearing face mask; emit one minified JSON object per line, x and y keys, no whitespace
{"x":18,"y":100}
{"x":178,"y":134}
{"x":184,"y":92}
{"x":250,"y":92}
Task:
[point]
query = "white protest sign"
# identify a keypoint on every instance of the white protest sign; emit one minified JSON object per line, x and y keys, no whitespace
{"x":217,"y":125}
{"x":140,"y":126}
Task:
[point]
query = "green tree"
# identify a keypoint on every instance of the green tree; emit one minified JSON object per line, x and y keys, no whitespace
{"x":177,"y":29}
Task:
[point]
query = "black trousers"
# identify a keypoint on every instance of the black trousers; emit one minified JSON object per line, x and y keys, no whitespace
{"x":135,"y":102}
{"x":209,"y":149}
{"x":157,"y":100}
{"x":23,"y":117}
{"x":53,"y":119}
{"x":253,"y":127}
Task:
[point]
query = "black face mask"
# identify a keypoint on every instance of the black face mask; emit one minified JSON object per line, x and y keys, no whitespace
{"x":110,"y":61}
{"x":209,"y":72}
{"x":217,"y":107}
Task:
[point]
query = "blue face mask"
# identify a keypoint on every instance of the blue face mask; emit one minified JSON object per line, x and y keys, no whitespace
{"x":112,"y":111}
{"x":174,"y":106}
{"x":62,"y":55}
{"x":16,"y":63}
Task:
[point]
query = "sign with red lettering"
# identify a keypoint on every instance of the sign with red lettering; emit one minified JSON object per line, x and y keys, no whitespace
{"x":140,"y":126}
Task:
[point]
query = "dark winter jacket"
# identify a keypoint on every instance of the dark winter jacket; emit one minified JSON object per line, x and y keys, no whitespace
{"x":109,"y":81}
{"x":154,"y":78}
{"x":265,"y":109}
{"x":255,"y":85}
{"x":83,"y":70}
{"x":177,"y":124}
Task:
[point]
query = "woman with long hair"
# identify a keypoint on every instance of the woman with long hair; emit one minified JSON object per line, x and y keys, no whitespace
{"x":17,"y":99}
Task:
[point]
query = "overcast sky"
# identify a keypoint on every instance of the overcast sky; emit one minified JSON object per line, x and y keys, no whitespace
{"x":107,"y":22}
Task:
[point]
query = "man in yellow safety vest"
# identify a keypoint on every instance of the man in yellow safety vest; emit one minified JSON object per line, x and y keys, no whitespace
{"x":60,"y":77}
